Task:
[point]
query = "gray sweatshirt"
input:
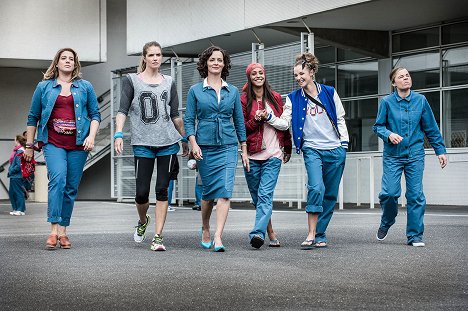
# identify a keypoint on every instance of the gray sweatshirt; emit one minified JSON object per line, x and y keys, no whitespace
{"x":151,"y":108}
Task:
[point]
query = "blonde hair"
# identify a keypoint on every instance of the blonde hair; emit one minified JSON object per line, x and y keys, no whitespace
{"x":142,"y":65}
{"x":309,"y":60}
{"x":52,"y":71}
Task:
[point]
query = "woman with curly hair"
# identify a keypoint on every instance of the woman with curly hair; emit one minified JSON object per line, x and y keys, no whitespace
{"x":212,"y":104}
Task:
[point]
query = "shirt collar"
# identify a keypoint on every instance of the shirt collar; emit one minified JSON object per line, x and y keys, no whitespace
{"x":223,"y":84}
{"x":407,"y":98}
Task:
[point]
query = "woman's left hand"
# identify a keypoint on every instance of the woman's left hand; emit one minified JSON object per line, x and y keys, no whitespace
{"x":88,"y":143}
{"x":286,"y":157}
{"x":245,"y":161}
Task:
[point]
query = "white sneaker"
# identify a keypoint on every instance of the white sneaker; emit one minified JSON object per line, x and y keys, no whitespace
{"x":22,"y":213}
{"x":12,"y":213}
{"x":170,"y":209}
{"x":16,"y":213}
{"x":418,"y":244}
{"x":140,"y":230}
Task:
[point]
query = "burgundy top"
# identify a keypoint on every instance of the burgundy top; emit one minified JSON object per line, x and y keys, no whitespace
{"x":62,"y":125}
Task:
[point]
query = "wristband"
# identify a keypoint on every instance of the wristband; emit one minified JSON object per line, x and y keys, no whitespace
{"x":269,"y":117}
{"x":118,"y":135}
{"x":184,"y":139}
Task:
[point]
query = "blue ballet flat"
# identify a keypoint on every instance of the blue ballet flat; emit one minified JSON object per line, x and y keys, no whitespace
{"x":205,"y":245}
{"x":219,"y":249}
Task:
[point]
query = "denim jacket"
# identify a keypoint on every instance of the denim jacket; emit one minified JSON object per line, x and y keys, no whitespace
{"x":215,"y":127}
{"x":84,"y":101}
{"x":14,"y":171}
{"x":411,"y":118}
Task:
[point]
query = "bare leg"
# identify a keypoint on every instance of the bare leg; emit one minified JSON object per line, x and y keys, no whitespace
{"x":271,"y":233}
{"x":142,"y":209}
{"x":312,"y":222}
{"x":222,"y":210}
{"x":61,"y":230}
{"x":206,"y":209}
{"x":160,"y":214}
{"x":54,"y":228}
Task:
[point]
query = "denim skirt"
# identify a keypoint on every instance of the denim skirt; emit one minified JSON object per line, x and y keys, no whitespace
{"x":218,"y":171}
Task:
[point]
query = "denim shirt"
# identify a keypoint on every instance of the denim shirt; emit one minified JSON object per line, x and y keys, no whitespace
{"x":411,"y":118}
{"x":215,"y":127}
{"x":84,"y":102}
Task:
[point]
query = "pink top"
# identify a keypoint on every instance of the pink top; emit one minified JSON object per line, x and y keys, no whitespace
{"x":270,"y":144}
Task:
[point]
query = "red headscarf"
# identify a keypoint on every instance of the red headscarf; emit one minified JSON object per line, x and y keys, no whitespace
{"x":248,"y":71}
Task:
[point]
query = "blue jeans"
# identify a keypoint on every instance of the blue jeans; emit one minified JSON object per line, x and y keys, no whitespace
{"x":198,"y":191}
{"x":393,"y":167}
{"x":324,"y":170}
{"x":261,"y":181}
{"x":64,"y":170}
{"x":16,"y":192}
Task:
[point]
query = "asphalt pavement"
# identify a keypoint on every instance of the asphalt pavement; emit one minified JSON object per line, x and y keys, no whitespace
{"x":106,"y":270}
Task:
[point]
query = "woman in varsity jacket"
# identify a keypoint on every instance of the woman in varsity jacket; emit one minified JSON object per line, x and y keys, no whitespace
{"x":316,"y":115}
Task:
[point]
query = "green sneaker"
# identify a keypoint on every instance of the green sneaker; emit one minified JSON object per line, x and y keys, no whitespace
{"x":157,"y":243}
{"x":140,"y":230}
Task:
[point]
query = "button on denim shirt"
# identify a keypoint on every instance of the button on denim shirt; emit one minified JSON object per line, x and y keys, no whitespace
{"x":84,"y":102}
{"x":215,"y":127}
{"x":411,"y":118}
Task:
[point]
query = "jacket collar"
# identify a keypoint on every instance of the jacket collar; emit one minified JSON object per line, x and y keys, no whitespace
{"x":56,"y":84}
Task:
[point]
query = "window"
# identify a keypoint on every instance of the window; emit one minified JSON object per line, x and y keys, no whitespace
{"x":326,"y":75}
{"x":455,"y":66}
{"x":358,"y":79}
{"x":325,"y":55}
{"x":415,"y":40}
{"x":456,"y":118}
{"x":455,"y":33}
{"x":360,"y":117}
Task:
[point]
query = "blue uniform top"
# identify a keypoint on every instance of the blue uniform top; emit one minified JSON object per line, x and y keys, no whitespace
{"x":411,"y":118}
{"x":219,"y":122}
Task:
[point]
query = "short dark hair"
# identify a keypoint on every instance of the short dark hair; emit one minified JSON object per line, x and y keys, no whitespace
{"x":203,"y":59}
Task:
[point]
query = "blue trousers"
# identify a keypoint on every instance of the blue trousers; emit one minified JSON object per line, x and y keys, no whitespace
{"x":261,"y":181}
{"x":64,"y":170}
{"x":16,"y":192}
{"x":324,"y":170}
{"x":393,"y":167}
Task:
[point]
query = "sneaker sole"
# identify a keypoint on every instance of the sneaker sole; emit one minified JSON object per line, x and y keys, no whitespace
{"x":377,"y":237}
{"x":159,"y":248}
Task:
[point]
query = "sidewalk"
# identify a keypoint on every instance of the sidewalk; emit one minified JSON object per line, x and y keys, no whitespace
{"x":106,"y":270}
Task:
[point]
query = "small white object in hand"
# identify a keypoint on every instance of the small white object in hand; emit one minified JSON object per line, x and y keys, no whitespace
{"x":192,"y":164}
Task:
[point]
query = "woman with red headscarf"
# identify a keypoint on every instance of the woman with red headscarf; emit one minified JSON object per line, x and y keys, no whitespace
{"x":267,"y":148}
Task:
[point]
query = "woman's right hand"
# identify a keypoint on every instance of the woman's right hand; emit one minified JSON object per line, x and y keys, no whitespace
{"x":197,"y":153}
{"x":395,"y":138}
{"x":118,"y":145}
{"x":28,"y":154}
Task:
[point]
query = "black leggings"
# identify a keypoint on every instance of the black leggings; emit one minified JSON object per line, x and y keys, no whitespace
{"x":167,"y":169}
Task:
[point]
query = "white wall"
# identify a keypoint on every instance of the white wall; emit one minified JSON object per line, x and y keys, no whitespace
{"x":36,"y":29}
{"x":198,"y":19}
{"x":17,"y":85}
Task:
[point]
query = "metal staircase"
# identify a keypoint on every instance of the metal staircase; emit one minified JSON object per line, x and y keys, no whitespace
{"x":102,"y":143}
